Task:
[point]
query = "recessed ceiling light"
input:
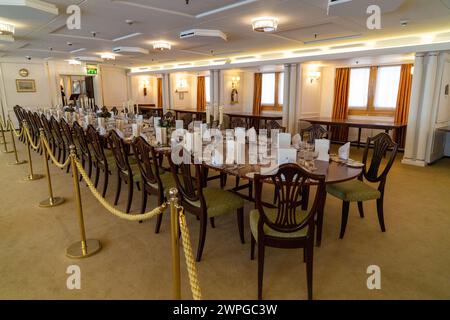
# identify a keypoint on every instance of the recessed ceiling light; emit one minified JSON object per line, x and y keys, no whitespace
{"x":265,"y":24}
{"x":108,"y":56}
{"x":161,"y":45}
{"x":6,"y":29}
{"x":73,"y":62}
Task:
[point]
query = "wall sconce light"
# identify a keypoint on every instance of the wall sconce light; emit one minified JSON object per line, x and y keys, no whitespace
{"x":146,"y":83}
{"x":235,"y":81}
{"x":181,"y":88}
{"x":314,"y":75}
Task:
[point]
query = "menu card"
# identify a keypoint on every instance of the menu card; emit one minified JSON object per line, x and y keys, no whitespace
{"x":344,"y":151}
{"x":284,"y":140}
{"x":286,"y":155}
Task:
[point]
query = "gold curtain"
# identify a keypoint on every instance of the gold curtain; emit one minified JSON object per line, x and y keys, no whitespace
{"x":160,"y":95}
{"x":340,"y":105}
{"x":257,"y":91}
{"x":201,"y":94}
{"x":403,"y":101}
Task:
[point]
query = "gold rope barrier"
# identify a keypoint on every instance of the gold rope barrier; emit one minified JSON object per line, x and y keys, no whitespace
{"x":51,"y":201}
{"x":187,"y":247}
{"x":4,"y":127}
{"x":14,"y":133}
{"x":31,"y":176}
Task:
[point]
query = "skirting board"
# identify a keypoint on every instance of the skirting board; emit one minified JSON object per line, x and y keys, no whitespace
{"x":411,"y":162}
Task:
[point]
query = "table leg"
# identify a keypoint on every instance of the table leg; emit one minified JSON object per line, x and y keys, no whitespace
{"x":359,"y":137}
{"x":319,"y":221}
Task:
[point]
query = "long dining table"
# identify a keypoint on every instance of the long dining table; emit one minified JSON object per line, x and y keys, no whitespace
{"x":253,"y":120}
{"x":334,"y":171}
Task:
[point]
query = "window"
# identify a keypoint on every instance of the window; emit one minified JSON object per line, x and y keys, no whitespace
{"x":207,"y":89}
{"x":374,"y":90}
{"x":272,"y":91}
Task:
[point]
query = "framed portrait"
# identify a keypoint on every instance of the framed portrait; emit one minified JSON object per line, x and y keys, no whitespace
{"x":23,"y":85}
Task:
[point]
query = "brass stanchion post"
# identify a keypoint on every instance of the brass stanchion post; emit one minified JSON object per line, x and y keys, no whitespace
{"x":84,"y":248}
{"x":51,"y":201}
{"x":18,"y":162}
{"x":5,"y":144}
{"x":175,"y":244}
{"x":31,"y":176}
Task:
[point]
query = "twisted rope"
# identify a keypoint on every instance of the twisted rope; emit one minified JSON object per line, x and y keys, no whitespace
{"x":112,"y":209}
{"x":30,"y":139}
{"x":187,"y":248}
{"x":50,"y":153}
{"x":11,"y":126}
{"x":3,"y":125}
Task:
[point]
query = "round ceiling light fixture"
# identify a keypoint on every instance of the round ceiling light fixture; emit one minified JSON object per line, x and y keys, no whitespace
{"x":6,"y":29}
{"x":161,"y":45}
{"x":107,"y":56}
{"x":265,"y":24}
{"x":74,"y":62}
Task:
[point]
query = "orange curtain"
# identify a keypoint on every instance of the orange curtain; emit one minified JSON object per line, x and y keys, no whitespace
{"x":340,"y":105}
{"x":201,"y":94}
{"x":403,"y":101}
{"x":257,"y":91}
{"x":160,"y":95}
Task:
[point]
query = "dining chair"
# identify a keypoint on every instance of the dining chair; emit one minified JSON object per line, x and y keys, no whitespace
{"x":102,"y":160}
{"x":205,"y":202}
{"x":82,"y":148}
{"x":359,"y":191}
{"x":314,"y":132}
{"x":274,"y":125}
{"x":19,"y":116}
{"x":58,"y":139}
{"x":238,"y":123}
{"x":125,"y":172}
{"x":68,"y":138}
{"x":153,"y":180}
{"x":286,"y":225}
{"x":48,"y":133}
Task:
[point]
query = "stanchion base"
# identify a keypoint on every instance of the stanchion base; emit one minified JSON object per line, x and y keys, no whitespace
{"x":75,"y":251}
{"x":34,"y":177}
{"x":18,"y":163}
{"x":9,"y":151}
{"x":51,"y":202}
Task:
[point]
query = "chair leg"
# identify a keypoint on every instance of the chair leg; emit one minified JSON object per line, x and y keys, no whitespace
{"x":201,"y":239}
{"x":309,"y":268}
{"x":212,"y":221}
{"x":252,"y":248}
{"x":105,"y":183}
{"x":361,"y":209}
{"x":345,"y":208}
{"x":381,"y":214}
{"x":275,"y":195}
{"x":260,"y":268}
{"x":97,"y":176}
{"x":159,"y":217}
{"x":223,"y":180}
{"x":130,"y":195}
{"x":320,"y":215}
{"x":144,"y":201}
{"x":240,"y":220}
{"x":90,"y":168}
{"x":119,"y":187}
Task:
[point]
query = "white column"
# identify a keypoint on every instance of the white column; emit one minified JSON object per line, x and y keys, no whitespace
{"x":292,"y":97}
{"x":221,"y":87}
{"x":416,"y":92}
{"x":167,"y":97}
{"x":427,"y":105}
{"x":286,"y":94}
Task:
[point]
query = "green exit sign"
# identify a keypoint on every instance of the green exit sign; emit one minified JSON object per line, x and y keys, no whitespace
{"x":91,"y":70}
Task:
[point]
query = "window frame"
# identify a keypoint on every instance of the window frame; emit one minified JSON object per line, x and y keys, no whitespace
{"x":370,"y":109}
{"x":276,"y":106}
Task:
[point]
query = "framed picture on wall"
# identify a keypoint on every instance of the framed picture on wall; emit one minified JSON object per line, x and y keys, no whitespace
{"x":25,"y":85}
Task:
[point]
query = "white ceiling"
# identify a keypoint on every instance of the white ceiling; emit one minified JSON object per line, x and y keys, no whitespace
{"x":301,"y":24}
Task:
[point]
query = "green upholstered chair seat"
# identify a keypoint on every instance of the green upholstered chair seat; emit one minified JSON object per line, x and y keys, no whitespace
{"x":272,"y":215}
{"x":219,"y":202}
{"x":167,"y":181}
{"x":136,"y":173}
{"x":354,"y":190}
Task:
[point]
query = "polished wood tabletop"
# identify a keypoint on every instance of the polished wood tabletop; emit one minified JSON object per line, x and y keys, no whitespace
{"x":356,"y":123}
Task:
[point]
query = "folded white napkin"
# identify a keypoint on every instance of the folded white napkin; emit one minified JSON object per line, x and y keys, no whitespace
{"x":286,"y":155}
{"x":179,"y":124}
{"x":284,"y":140}
{"x":344,"y":151}
{"x":269,"y":170}
{"x":251,"y":134}
{"x":136,"y":129}
{"x":230,"y":156}
{"x":322,"y":146}
{"x":156,"y":121}
{"x":296,"y":139}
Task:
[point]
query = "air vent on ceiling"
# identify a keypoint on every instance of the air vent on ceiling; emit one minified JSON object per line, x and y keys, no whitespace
{"x":203,"y":33}
{"x":358,"y":8}
{"x":130,"y":50}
